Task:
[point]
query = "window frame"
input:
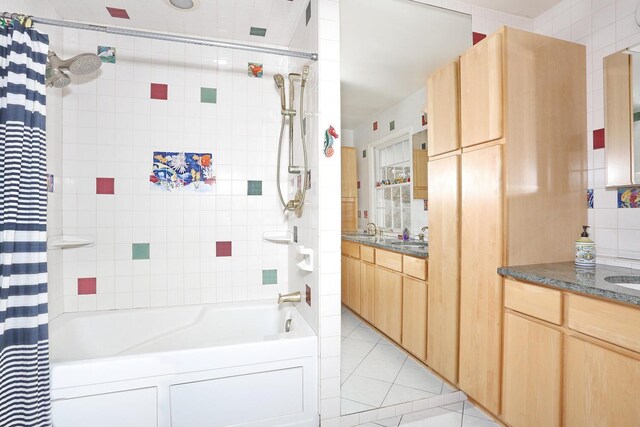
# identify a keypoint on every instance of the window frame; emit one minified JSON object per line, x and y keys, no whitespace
{"x":372,"y":152}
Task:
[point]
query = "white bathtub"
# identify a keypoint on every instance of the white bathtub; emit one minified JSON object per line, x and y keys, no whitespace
{"x":192,"y":366}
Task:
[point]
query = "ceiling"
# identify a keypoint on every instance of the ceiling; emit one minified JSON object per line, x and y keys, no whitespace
{"x":387,"y":56}
{"x":528,"y":8}
{"x":224,"y":19}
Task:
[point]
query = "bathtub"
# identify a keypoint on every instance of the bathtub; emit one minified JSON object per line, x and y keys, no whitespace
{"x":191,"y":366}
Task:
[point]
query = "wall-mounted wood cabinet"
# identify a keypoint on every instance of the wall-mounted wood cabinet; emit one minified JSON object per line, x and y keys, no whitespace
{"x":443,"y":109}
{"x":349,"y":189}
{"x":420,"y":175}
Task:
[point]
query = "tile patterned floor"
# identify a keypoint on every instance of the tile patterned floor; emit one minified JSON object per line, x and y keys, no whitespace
{"x":462,"y":414}
{"x":375,"y":373}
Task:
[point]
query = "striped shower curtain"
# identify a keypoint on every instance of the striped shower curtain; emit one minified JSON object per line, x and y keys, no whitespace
{"x":24,"y":345}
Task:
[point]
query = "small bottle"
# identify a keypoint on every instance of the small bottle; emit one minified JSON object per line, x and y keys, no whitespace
{"x":405,"y":234}
{"x":585,"y":250}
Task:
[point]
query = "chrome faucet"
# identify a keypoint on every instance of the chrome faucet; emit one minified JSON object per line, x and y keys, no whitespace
{"x":421,"y":235}
{"x":291,"y":297}
{"x":375,"y":229}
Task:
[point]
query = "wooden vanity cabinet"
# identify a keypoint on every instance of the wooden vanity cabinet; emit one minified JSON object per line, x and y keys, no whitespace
{"x":414,"y":317}
{"x":600,"y":386}
{"x":344,"y":281}
{"x":388,"y":303}
{"x":367,"y":291}
{"x":353,"y":284}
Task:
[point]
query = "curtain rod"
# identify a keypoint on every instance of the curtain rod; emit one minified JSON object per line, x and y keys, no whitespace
{"x":167,"y":37}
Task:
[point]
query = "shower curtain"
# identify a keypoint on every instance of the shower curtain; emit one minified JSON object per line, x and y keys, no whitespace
{"x":24,"y":345}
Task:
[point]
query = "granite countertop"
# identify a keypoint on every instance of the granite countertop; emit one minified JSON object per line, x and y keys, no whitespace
{"x":389,"y":244}
{"x":565,"y":275}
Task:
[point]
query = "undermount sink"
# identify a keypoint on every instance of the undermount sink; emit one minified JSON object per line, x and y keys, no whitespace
{"x":406,"y":243}
{"x":632,"y":282}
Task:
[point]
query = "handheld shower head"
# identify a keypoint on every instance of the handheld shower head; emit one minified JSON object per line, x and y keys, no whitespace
{"x":85,"y":63}
{"x":57,"y":78}
{"x":280,"y":83}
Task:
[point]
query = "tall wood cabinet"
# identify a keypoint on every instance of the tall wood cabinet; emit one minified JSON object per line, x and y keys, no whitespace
{"x":349,"y":189}
{"x":444,"y":269}
{"x":522,"y":157}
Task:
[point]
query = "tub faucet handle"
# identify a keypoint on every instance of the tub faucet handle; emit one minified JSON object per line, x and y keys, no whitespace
{"x":291,"y":297}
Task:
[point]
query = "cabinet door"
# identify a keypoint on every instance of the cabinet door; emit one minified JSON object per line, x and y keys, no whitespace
{"x":444,"y":267}
{"x":414,"y":317}
{"x":349,"y":215}
{"x":618,"y":118}
{"x":443,"y":109}
{"x":344,"y":281}
{"x":480,"y":284}
{"x":349,"y":174}
{"x":481,"y":103}
{"x":367,"y":294}
{"x":531,"y":373}
{"x":420,"y":176}
{"x":600,"y":386}
{"x":353,"y":274}
{"x":388,"y":303}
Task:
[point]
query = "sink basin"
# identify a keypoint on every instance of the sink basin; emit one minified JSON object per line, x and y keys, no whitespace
{"x":632,"y":282}
{"x":408,"y":243}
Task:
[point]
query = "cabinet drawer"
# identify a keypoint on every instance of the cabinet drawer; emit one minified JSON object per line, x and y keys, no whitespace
{"x":614,"y":323}
{"x":535,"y":301}
{"x":351,"y":248}
{"x":367,"y":253}
{"x":415,"y":267}
{"x":389,"y":260}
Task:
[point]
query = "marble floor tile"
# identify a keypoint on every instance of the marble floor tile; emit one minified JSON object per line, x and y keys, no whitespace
{"x":365,"y":390}
{"x":435,"y":417}
{"x":365,"y":333}
{"x":387,"y":352}
{"x":379,"y":369}
{"x":401,"y":394}
{"x":348,"y":406}
{"x":415,"y":376}
{"x":357,"y":347}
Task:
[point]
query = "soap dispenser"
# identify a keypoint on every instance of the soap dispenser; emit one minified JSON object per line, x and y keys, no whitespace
{"x":585,"y":250}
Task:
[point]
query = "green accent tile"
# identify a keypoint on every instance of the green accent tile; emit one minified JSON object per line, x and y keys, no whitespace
{"x":257,"y":31}
{"x":636,"y":116}
{"x":269,"y":277}
{"x":254,"y":188}
{"x":208,"y":95}
{"x":140,"y":250}
{"x":392,"y":125}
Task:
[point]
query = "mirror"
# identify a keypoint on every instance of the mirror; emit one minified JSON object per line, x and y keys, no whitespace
{"x":622,"y":117}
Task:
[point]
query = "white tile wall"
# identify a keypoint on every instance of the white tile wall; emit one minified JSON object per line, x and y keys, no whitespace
{"x":604,"y":27}
{"x":111,"y":128}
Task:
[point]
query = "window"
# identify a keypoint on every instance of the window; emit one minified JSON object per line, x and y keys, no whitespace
{"x":392,"y":194}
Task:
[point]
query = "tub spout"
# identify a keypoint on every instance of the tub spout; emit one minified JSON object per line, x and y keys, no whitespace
{"x":292,"y":297}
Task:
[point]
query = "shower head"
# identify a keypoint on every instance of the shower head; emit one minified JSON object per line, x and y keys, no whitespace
{"x":280,"y":83}
{"x":85,"y":63}
{"x":57,"y":78}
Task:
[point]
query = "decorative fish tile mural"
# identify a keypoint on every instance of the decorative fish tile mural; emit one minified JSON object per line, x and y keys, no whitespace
{"x":176,"y":171}
{"x":629,"y":197}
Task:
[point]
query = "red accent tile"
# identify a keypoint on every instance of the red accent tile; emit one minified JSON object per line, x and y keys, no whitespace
{"x":105,"y":185}
{"x":308,"y":295}
{"x":424,"y":120}
{"x":358,"y":185}
{"x":375,"y":125}
{"x":87,"y":286}
{"x":223,"y":248}
{"x":366,"y":214}
{"x":118,"y":13}
{"x":598,"y":139}
{"x":159,"y":91}
{"x":477,"y":37}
